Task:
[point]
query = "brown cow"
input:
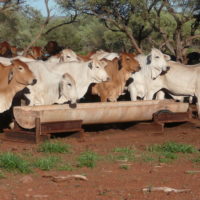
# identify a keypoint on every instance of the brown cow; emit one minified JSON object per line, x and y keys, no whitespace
{"x":5,"y":50}
{"x":35,"y":52}
{"x":120,"y":71}
{"x":13,"y":78}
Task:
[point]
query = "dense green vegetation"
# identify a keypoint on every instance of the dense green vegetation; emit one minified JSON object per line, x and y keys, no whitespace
{"x":115,"y":25}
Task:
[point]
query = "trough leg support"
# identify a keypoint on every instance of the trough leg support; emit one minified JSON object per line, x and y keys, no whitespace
{"x":37,"y":130}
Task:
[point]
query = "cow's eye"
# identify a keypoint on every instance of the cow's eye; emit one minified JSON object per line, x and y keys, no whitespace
{"x":20,"y":68}
{"x":68,"y":56}
{"x":69,"y":84}
{"x":157,"y":57}
{"x":97,"y":67}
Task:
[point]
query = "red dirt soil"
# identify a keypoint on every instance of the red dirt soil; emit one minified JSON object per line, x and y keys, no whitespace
{"x":107,"y":181}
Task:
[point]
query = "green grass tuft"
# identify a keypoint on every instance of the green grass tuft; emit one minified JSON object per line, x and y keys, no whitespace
{"x":173,"y":147}
{"x":54,"y":147}
{"x":12,"y":162}
{"x":123,"y":154}
{"x":47,"y":163}
{"x":88,"y":159}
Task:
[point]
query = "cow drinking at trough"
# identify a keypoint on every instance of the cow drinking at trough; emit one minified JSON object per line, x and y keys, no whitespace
{"x":14,"y":78}
{"x":51,"y":87}
{"x":84,"y":73}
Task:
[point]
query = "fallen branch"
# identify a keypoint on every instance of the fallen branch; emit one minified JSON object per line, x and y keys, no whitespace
{"x":192,"y":172}
{"x":164,"y":189}
{"x":65,"y":178}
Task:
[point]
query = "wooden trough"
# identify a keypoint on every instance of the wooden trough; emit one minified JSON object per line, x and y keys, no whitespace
{"x":59,"y":118}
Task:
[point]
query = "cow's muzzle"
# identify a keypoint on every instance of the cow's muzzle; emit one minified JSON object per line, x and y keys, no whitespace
{"x":34,"y":82}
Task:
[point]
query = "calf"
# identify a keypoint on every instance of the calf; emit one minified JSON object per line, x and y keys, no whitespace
{"x":120,"y":71}
{"x":14,"y":77}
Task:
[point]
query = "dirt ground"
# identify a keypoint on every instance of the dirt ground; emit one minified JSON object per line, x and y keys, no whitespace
{"x":109,"y":181}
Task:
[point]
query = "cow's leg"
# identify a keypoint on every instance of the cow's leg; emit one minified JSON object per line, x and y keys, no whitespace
{"x":103,"y":98}
{"x":160,"y":95}
{"x":133,"y":92}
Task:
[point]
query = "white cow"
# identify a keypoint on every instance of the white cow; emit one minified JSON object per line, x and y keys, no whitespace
{"x":66,"y":55}
{"x":51,"y":87}
{"x":151,"y":67}
{"x":101,"y":54}
{"x":84,"y":73}
{"x":179,"y":80}
{"x":8,"y":61}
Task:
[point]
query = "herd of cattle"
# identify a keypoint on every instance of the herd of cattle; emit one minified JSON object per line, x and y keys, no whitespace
{"x":67,"y":77}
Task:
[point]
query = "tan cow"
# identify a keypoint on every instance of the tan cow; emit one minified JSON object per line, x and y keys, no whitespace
{"x":13,"y":78}
{"x":120,"y":71}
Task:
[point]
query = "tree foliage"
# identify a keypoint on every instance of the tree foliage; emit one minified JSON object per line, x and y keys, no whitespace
{"x":115,"y":25}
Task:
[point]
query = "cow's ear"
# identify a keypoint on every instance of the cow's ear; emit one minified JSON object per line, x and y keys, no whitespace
{"x":10,"y":76}
{"x":167,"y":57}
{"x":60,"y":89}
{"x":148,"y":61}
{"x":119,"y":64}
{"x":61,"y":59}
{"x":90,"y":65}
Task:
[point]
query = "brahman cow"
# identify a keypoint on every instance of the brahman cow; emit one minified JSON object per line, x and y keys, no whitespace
{"x":181,"y":80}
{"x":151,"y":67}
{"x":120,"y":71}
{"x":66,"y":55}
{"x":84,"y":73}
{"x":51,"y":87}
{"x":14,"y":78}
{"x":99,"y":55}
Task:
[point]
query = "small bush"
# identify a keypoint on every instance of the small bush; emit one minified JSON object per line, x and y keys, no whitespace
{"x":54,"y":147}
{"x":12,"y":162}
{"x":88,"y":159}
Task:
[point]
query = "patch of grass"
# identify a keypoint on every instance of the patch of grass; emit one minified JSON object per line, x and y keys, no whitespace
{"x":47,"y":163}
{"x":123,"y":154}
{"x":147,"y":158}
{"x":54,"y":147}
{"x":88,"y":159}
{"x":13,"y":162}
{"x":167,"y":157}
{"x":196,"y":160}
{"x":173,"y":147}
